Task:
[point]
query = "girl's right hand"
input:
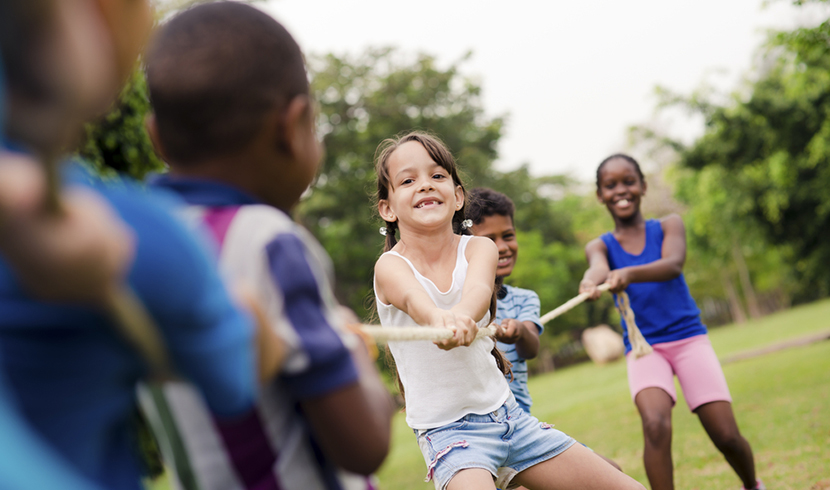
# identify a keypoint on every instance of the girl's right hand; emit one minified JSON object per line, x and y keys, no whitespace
{"x":464,"y":328}
{"x":588,"y":286}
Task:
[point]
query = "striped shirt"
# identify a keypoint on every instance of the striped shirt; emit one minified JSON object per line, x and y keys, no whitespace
{"x":291,"y":277}
{"x":522,"y":305}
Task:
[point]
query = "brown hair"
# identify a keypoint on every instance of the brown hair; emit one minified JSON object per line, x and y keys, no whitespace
{"x":441,"y":155}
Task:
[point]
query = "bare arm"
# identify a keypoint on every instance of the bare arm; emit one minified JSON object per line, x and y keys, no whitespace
{"x":598,"y":269}
{"x":525,"y":335}
{"x":482,"y":256}
{"x":669,"y":266}
{"x":397,"y":285}
{"x":352,"y":424}
{"x":79,"y":256}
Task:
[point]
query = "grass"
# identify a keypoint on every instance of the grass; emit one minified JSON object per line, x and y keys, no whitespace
{"x":781,"y":401}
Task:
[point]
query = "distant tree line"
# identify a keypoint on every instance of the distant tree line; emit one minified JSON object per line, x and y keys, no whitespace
{"x":752,"y":189}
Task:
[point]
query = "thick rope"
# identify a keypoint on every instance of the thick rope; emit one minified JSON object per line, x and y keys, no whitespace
{"x":639,"y":345}
{"x":569,"y":305}
{"x":395,"y":334}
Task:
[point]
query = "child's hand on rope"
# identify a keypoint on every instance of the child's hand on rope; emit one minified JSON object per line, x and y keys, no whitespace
{"x":510,"y":331}
{"x":618,"y":280}
{"x":588,"y":286}
{"x":353,"y":324}
{"x":79,"y":256}
{"x":463,"y":326}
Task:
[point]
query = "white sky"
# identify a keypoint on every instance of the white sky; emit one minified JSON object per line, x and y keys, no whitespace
{"x":571,"y":76}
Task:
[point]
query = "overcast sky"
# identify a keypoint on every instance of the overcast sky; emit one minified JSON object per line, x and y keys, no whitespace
{"x":570,"y":76}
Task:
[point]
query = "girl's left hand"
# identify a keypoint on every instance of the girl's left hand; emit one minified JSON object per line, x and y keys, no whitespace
{"x":618,"y":280}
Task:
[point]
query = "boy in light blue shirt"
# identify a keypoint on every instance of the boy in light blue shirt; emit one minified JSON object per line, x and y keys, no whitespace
{"x":517,"y":309}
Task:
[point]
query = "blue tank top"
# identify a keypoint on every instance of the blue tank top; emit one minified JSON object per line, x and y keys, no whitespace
{"x":664,"y":311}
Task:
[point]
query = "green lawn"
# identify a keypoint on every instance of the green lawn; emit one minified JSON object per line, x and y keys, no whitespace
{"x":781,"y":400}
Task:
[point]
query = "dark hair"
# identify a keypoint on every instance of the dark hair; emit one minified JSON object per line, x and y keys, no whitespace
{"x":213,"y":72}
{"x":486,"y":202}
{"x":622,"y":156}
{"x":23,"y":28}
{"x":439,"y":153}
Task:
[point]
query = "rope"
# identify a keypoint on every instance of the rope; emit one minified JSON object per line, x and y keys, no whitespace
{"x":395,"y":334}
{"x":639,"y":345}
{"x":569,"y":305}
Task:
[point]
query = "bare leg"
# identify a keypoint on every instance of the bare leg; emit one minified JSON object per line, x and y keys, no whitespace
{"x":472,"y":479}
{"x":719,"y":421}
{"x":609,"y":461}
{"x":655,"y":407}
{"x":576,"y":469}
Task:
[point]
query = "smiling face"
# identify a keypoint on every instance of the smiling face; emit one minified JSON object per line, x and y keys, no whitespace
{"x":421,"y":193}
{"x":500,"y":229}
{"x":621,"y":188}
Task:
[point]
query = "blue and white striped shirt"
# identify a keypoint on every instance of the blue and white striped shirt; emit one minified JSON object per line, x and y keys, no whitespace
{"x":522,"y":305}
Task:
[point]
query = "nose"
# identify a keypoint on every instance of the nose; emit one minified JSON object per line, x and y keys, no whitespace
{"x":501,"y":245}
{"x":426,"y":185}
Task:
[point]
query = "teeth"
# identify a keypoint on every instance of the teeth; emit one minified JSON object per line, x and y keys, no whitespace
{"x":623,"y":202}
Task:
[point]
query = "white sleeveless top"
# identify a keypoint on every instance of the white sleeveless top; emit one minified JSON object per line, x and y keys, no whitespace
{"x":443,"y":386}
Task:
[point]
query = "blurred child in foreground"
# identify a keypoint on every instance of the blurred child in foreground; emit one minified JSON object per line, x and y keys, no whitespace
{"x":69,"y":368}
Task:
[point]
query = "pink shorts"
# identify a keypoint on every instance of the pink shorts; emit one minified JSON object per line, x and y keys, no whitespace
{"x":693,"y":361}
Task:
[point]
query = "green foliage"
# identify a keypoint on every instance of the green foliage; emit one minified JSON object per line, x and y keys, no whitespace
{"x":765,"y":158}
{"x":755,"y":182}
{"x":363,"y":100}
{"x":119,"y":141}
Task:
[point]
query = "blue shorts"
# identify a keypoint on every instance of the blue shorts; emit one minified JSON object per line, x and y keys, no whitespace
{"x":504,"y":442}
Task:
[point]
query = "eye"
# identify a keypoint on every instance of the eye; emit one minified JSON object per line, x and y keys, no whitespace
{"x":439,"y":176}
{"x":508,"y":237}
{"x":407,"y":181}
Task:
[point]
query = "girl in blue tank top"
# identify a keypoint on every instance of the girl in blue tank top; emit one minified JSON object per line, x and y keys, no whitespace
{"x":645,"y":259}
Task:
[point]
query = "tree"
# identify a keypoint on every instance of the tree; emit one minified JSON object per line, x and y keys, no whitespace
{"x":774,"y":145}
{"x":364,"y":99}
{"x":118,"y":143}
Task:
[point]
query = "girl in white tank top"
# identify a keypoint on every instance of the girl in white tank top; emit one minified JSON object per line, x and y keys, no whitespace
{"x":470,"y":429}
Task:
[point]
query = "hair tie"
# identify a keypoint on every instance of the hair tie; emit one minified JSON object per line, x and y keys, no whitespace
{"x":467,"y":223}
{"x":382,"y":230}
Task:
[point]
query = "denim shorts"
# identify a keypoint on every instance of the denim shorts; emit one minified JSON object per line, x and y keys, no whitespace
{"x":504,"y":442}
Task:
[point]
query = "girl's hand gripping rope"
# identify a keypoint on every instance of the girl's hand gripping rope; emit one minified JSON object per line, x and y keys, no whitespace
{"x":463,"y":327}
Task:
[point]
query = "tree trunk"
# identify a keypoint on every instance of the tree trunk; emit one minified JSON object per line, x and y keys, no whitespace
{"x":746,"y":283}
{"x":735,"y":308}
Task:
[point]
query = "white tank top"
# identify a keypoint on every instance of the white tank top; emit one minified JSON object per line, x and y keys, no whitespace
{"x":444,"y":386}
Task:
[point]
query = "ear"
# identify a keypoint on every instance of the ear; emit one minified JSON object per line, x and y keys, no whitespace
{"x":459,"y":197}
{"x":645,"y":187}
{"x":153,"y":131}
{"x":297,"y":127}
{"x":385,"y":211}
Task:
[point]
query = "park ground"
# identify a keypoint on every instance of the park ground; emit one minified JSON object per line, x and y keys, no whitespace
{"x":781,"y":400}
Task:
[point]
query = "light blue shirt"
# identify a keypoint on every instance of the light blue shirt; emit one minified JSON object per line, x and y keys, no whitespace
{"x":522,"y":305}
